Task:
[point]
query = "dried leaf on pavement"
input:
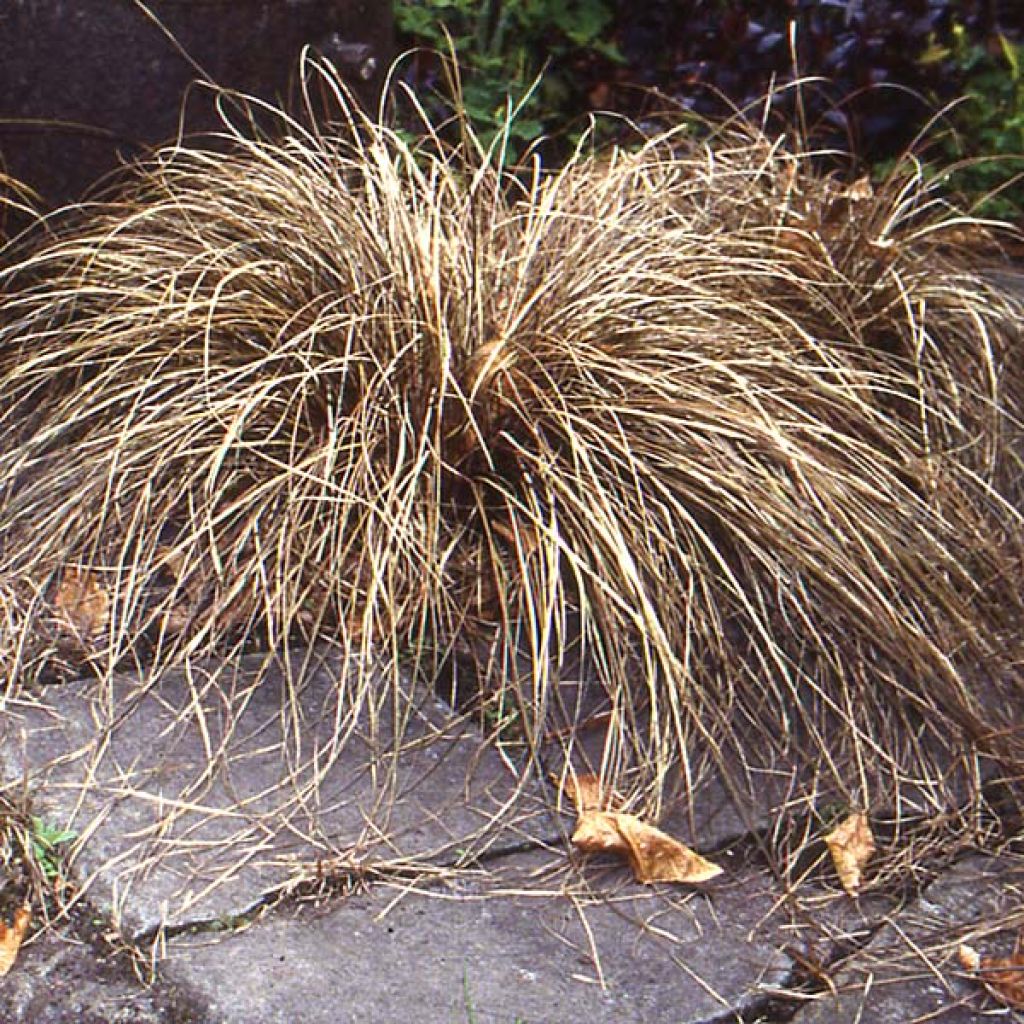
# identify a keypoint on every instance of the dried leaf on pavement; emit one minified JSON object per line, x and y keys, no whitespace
{"x":851,"y":845}
{"x":653,"y":855}
{"x":11,"y":936}
{"x":589,"y":793}
{"x":1003,"y":976}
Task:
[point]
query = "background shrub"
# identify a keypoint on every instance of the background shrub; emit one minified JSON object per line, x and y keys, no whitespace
{"x":882,"y":70}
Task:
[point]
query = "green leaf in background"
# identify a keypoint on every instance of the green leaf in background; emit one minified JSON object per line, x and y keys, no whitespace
{"x":503,"y":46}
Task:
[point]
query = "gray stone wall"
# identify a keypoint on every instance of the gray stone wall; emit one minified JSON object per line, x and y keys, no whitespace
{"x":87,"y":84}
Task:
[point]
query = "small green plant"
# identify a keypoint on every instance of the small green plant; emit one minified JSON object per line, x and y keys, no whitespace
{"x":522,"y":55}
{"x":501,"y":718}
{"x":45,"y":841}
{"x":988,"y":125}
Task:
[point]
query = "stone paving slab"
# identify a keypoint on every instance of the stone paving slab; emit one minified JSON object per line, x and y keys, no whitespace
{"x":531,"y":943}
{"x":909,"y":972}
{"x":168,"y":847}
{"x":165,"y":843}
{"x":61,"y":980}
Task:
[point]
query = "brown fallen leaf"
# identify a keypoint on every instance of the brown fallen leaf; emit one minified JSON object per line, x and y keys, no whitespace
{"x":82,"y":604}
{"x":588,"y":793}
{"x":653,"y":855}
{"x":1002,"y":976}
{"x":657,"y":857}
{"x":970,"y":958}
{"x":851,"y":845}
{"x":11,"y":936}
{"x":598,"y":832}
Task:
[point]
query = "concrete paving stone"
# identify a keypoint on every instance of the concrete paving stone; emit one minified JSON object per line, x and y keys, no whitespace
{"x":166,"y":844}
{"x":186,"y":817}
{"x":910,"y":972}
{"x":534,"y":943}
{"x":58,"y":979}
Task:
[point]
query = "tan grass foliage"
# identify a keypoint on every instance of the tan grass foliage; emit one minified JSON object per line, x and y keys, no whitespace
{"x":738,"y":438}
{"x":15,"y":198}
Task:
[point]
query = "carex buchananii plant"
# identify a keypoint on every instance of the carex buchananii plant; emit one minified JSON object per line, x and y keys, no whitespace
{"x":730,"y":442}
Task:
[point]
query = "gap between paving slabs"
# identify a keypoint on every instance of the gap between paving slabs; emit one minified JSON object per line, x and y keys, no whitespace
{"x":535,"y":941}
{"x":539,"y":943}
{"x":909,"y":971}
{"x":198,"y":796}
{"x":172,"y":852}
{"x":194,"y":797}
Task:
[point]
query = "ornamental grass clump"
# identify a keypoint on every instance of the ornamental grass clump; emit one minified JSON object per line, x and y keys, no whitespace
{"x":692,"y":448}
{"x":17,"y":200}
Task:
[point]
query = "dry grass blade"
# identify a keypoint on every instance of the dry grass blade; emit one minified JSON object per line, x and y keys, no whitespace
{"x":741,"y":442}
{"x":15,"y":198}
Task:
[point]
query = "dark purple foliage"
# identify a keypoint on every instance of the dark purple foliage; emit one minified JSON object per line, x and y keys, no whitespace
{"x":875,"y":92}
